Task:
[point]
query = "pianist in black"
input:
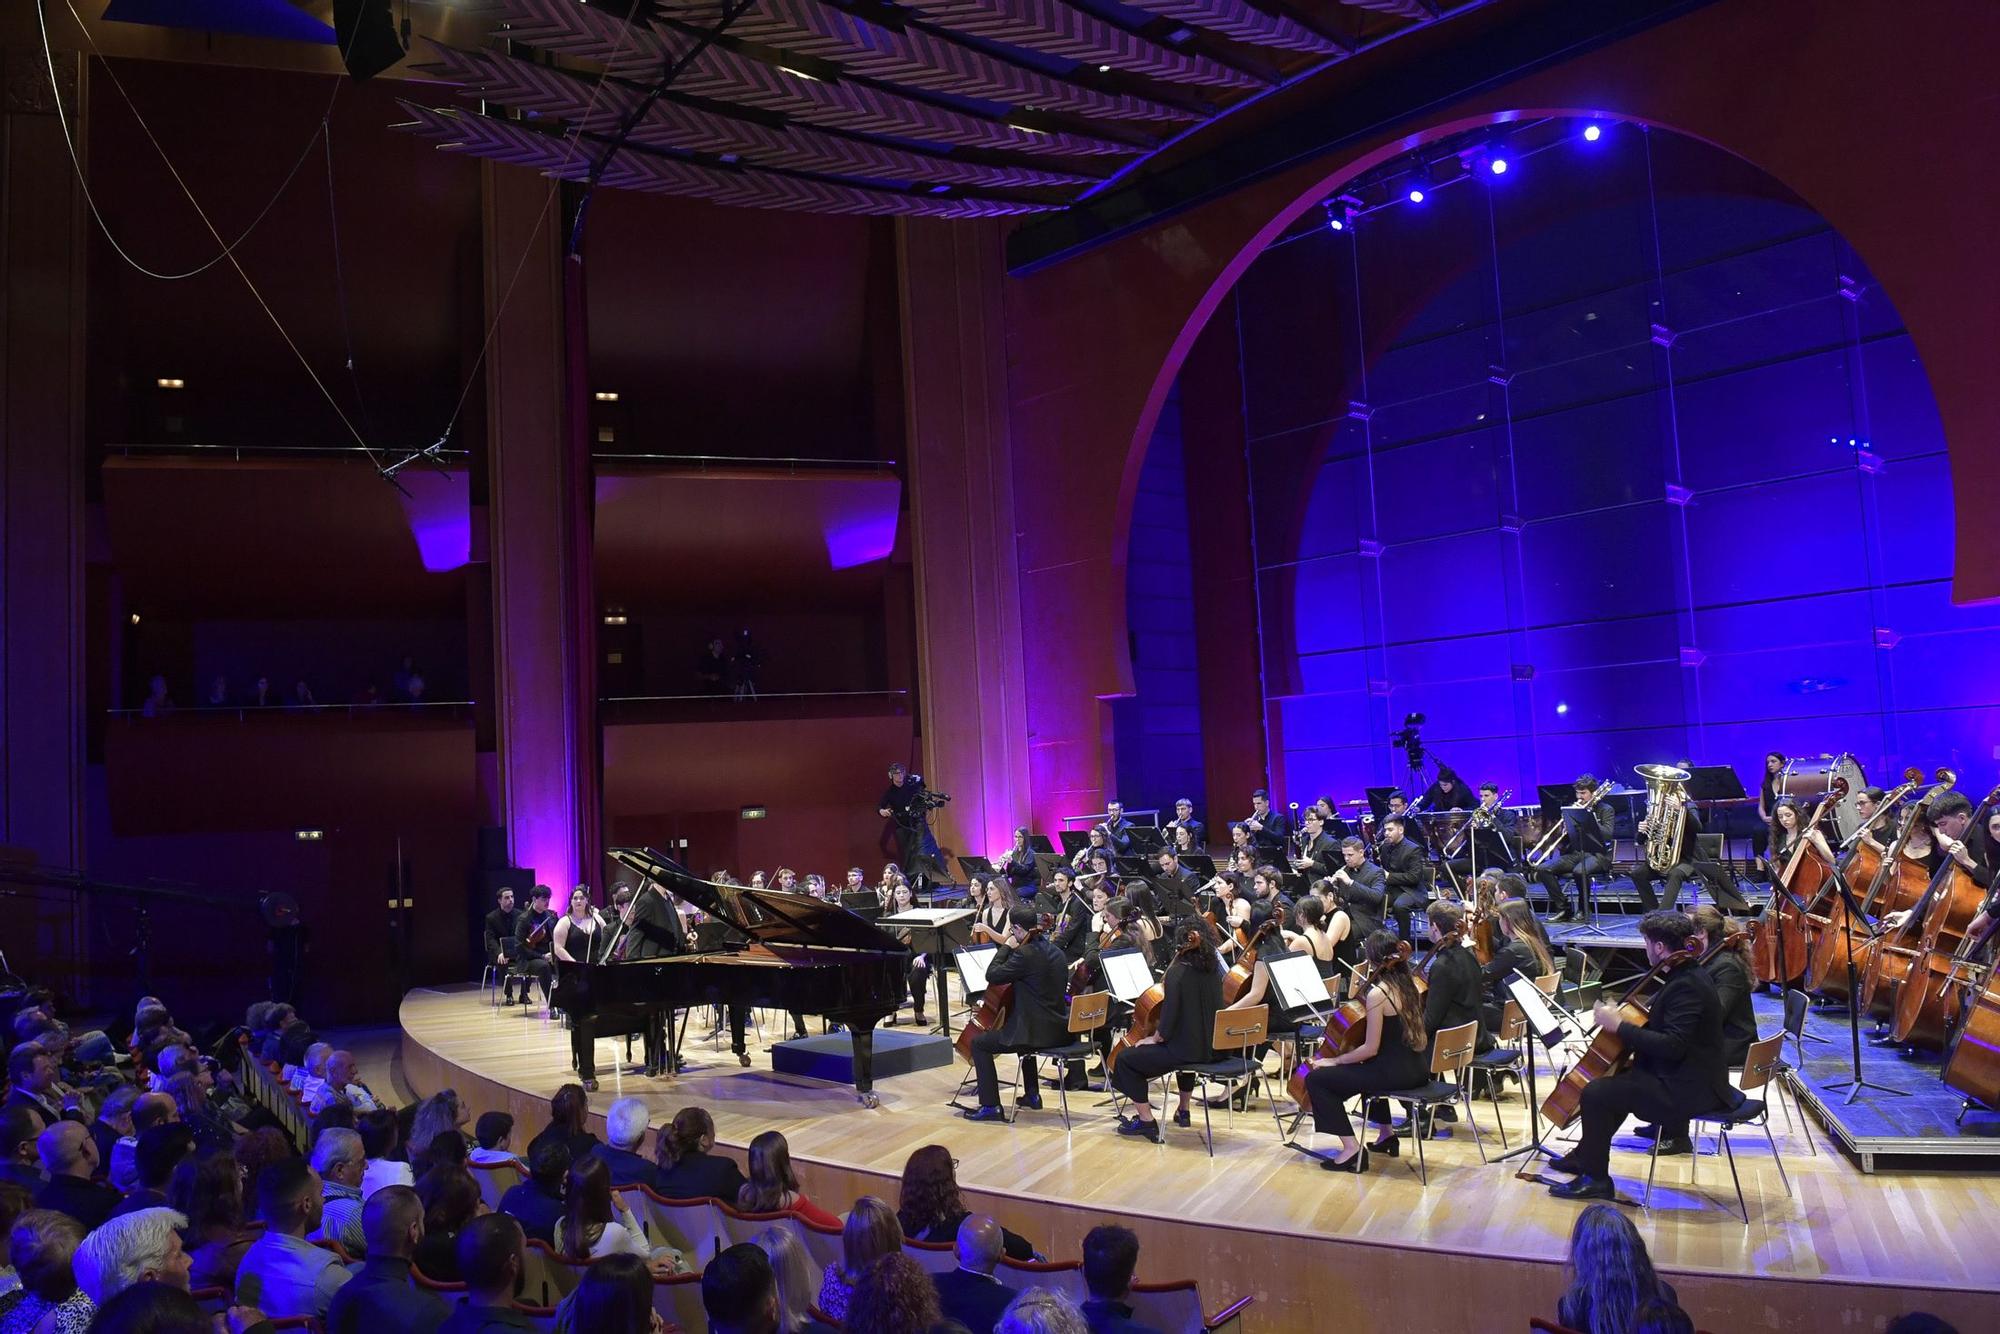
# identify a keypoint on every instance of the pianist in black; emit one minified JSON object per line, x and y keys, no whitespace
{"x":1039,"y":1016}
{"x":654,"y":931}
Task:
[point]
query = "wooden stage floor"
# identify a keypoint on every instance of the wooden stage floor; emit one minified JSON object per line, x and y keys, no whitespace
{"x":1844,"y":1250}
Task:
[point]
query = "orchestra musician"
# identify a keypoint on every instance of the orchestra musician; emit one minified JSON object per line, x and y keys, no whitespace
{"x":787,"y":880}
{"x":816,"y":885}
{"x":1322,"y":932}
{"x":1071,"y":916}
{"x":1453,"y":974}
{"x":1952,"y":836}
{"x":1267,"y":896}
{"x":1393,"y":1055}
{"x":1680,"y":1067}
{"x":1193,"y":995}
{"x":1490,"y":845}
{"x":856,"y":882}
{"x":1267,"y":831}
{"x":1767,"y":802}
{"x":1407,"y":871}
{"x":1039,"y":1016}
{"x":1019,"y":865}
{"x":579,"y":938}
{"x":1413,"y":829}
{"x":1186,"y":840}
{"x":1721,"y":880}
{"x":1448,"y":793}
{"x":1588,"y":855}
{"x":1785,"y":821}
{"x":1117,"y":829}
{"x":1734,"y":982}
{"x":532,"y":940}
{"x":995,"y":909}
{"x":1361,"y":887}
{"x":1184,"y":819}
{"x":1523,"y":948}
{"x":1318,"y":852}
{"x":1176,"y":883}
{"x":920,"y":964}
{"x":1097,"y":842}
{"x":500,"y":946}
{"x":907,"y":803}
{"x":1331,"y":824}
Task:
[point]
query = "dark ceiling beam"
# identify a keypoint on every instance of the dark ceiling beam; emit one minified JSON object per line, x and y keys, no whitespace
{"x":1366,"y":104}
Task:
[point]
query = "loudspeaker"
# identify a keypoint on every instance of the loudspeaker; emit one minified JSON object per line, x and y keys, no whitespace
{"x":366,"y":31}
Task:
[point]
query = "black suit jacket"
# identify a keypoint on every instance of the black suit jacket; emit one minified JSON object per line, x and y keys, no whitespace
{"x":1681,"y":1045}
{"x":499,"y":934}
{"x":88,"y":1202}
{"x":973,"y":1300}
{"x":1365,"y":888}
{"x":701,"y":1175}
{"x":1732,"y":989}
{"x":1455,"y":990}
{"x":1404,"y":867}
{"x":1270,"y":841}
{"x":656,"y":927}
{"x":1039,"y":1016}
{"x":1196,"y":830}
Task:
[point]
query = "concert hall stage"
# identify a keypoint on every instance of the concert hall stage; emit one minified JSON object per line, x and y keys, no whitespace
{"x":1475,"y":1250}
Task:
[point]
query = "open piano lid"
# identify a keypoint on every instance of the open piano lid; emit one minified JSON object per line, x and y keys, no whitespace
{"x":767,"y":916}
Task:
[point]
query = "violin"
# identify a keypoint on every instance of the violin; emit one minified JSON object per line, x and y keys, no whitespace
{"x":995,"y":1004}
{"x":1607,"y":1054}
{"x":538,"y":935}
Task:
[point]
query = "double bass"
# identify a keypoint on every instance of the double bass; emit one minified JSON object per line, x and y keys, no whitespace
{"x":1923,"y":1004}
{"x":1607,"y":1053}
{"x":1902,"y":885}
{"x":1780,"y":942}
{"x":1972,"y":1065}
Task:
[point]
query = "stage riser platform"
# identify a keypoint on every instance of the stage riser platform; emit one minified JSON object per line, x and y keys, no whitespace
{"x":1476,"y":1251}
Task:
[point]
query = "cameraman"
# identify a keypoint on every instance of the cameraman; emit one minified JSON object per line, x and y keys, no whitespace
{"x":908,"y":803}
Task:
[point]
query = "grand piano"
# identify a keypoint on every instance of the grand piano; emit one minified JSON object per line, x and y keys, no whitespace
{"x":781,"y":951}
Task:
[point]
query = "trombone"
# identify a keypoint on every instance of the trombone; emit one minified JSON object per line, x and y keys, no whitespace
{"x":1482,"y":817}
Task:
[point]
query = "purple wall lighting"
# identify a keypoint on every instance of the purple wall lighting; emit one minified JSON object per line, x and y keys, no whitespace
{"x":439,"y":510}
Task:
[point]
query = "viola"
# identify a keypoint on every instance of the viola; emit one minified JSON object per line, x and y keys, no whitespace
{"x":1607,"y":1054}
{"x":995,"y":1004}
{"x":538,"y":934}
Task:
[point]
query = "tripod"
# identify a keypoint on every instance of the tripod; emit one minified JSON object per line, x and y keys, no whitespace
{"x":1858,"y":1083}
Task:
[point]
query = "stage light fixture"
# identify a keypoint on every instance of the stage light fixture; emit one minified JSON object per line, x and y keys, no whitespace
{"x":754,"y":812}
{"x":1104,"y":69}
{"x":1336,"y":216}
{"x":606,"y":395}
{"x":171,"y":382}
{"x":1497,"y":165}
{"x":798,"y":73}
{"x":1562,"y":708}
{"x":1416,"y":195}
{"x":135,"y":618}
{"x":309,"y":835}
{"x":1592,"y":133}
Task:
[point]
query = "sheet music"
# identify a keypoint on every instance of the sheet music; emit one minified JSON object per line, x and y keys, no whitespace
{"x":1126,"y":973}
{"x":973,"y":962}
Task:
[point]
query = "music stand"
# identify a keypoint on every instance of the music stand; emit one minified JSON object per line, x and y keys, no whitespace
{"x":1073,"y":840}
{"x":973,"y":961}
{"x":1854,"y":914}
{"x":1201,"y":864}
{"x":977,"y":865}
{"x":1549,"y":1022}
{"x":1147,"y":838}
{"x":1714,"y":782}
{"x":1378,"y":801}
{"x":1040,"y":843}
{"x":1126,"y":973}
{"x":948,"y":931}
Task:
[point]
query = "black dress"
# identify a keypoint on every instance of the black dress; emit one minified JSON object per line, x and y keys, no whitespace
{"x":1187,"y":1024}
{"x":1394,"y":1067}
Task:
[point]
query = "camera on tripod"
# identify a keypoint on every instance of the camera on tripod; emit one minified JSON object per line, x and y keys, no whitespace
{"x":1411,"y":739}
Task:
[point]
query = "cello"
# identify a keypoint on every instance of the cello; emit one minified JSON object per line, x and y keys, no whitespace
{"x":1607,"y":1053}
{"x":1146,"y":1010}
{"x":1346,"y":1027}
{"x":1245,"y":968}
{"x":995,"y":1003}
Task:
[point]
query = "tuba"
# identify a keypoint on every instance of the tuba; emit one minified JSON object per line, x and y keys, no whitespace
{"x":1666,"y":812}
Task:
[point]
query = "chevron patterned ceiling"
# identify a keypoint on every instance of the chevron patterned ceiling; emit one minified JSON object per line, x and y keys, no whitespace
{"x":940,"y":108}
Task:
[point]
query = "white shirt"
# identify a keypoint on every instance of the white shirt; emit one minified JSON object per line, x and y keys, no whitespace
{"x":493,"y":1157}
{"x":357,"y":1095}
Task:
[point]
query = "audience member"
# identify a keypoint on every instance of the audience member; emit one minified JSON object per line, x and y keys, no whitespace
{"x":791,"y":1268}
{"x":597,"y":1221}
{"x":894,"y":1296}
{"x":1656,"y":1315}
{"x":20,"y":1163}
{"x":190,"y":1089}
{"x":382,"y":1141}
{"x":218,"y":693}
{"x":31,"y":1071}
{"x":1110,"y":1256}
{"x":15,"y":1200}
{"x":1610,"y":1273}
{"x":1042,"y":1311}
{"x":740,"y":1294}
{"x":334,"y":1116}
{"x":451,"y":1200}
{"x":43,"y":1247}
{"x":382,"y":1296}
{"x":870,"y":1233}
{"x":970,"y":1294}
{"x":689,"y":1167}
{"x":568,"y":1112}
{"x":161,"y":1308}
{"x":439,"y":1117}
{"x":257,"y":1151}
{"x":342,"y":1085}
{"x":492,"y":1253}
{"x":207,"y":1190}
{"x":624,"y":1128}
{"x":338,"y":1159}
{"x":495,"y":1133}
{"x":261,"y":695}
{"x":114,"y":1121}
{"x":139,"y":1247}
{"x":161,"y":1149}
{"x":616,"y":1296}
{"x":537,"y":1203}
{"x":928,"y":1205}
{"x":69,"y":1156}
{"x":282,"y":1273}
{"x":158,"y":702}
{"x":148,"y":1110}
{"x":773,"y":1185}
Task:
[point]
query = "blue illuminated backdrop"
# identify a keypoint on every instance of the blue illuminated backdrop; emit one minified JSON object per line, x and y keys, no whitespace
{"x":1620,"y":456}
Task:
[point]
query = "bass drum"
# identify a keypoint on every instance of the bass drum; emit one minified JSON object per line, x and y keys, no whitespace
{"x":1807,"y":778}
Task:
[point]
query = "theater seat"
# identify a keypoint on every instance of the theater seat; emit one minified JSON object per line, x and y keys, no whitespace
{"x":1064,"y":1276}
{"x":692,"y":1227}
{"x":936,"y":1257}
{"x":1175,"y":1308}
{"x":677,"y":1300}
{"x":495,"y":1180}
